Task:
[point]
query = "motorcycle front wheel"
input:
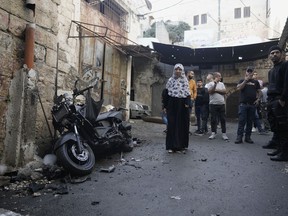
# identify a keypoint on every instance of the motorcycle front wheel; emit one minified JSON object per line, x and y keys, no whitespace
{"x":75,"y":163}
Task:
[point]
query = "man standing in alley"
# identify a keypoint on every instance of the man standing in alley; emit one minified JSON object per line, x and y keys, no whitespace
{"x":217,"y":92}
{"x":250,"y":93}
{"x":201,"y":108}
{"x":277,"y":108}
{"x":193,"y":91}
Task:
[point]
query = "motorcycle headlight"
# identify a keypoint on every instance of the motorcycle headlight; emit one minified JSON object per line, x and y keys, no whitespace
{"x":80,"y":100}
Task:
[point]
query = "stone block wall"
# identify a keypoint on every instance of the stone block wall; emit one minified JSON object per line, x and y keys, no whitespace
{"x":24,"y":132}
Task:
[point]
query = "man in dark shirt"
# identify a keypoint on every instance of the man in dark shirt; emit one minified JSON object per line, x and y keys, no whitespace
{"x":277,"y":108}
{"x":201,"y":108}
{"x":249,"y":97}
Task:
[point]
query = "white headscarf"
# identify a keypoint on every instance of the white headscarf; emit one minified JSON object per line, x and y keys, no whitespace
{"x":178,"y":86}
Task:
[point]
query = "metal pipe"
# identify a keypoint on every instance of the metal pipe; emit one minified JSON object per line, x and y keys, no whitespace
{"x":29,"y":45}
{"x":103,"y":73}
{"x":57,"y":71}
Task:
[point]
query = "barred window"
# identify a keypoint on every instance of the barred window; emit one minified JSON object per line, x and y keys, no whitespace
{"x":237,"y":13}
{"x":246,"y":11}
{"x":203,"y":18}
{"x":196,"y":20}
{"x":112,"y":10}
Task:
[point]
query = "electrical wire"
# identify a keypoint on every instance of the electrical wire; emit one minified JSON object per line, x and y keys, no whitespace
{"x":260,"y":19}
{"x":163,"y":8}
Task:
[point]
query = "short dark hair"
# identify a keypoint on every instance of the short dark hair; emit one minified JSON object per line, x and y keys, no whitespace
{"x":275,"y":48}
{"x":250,"y":69}
{"x":199,"y":80}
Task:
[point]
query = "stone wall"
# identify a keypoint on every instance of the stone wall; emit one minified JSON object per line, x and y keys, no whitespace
{"x":24,"y":131}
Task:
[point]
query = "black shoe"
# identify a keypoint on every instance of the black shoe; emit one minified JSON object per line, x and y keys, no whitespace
{"x":238,"y":140}
{"x":198,"y":133}
{"x":248,"y":140}
{"x":280,"y":157}
{"x":263,"y":132}
{"x":270,"y":145}
{"x":273,"y":153}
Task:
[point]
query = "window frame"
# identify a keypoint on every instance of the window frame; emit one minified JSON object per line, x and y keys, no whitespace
{"x":203,"y":18}
{"x":247,"y":12}
{"x":237,"y":13}
{"x":196,"y":20}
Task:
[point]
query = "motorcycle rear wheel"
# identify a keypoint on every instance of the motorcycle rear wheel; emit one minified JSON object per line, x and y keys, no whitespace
{"x":73,"y":162}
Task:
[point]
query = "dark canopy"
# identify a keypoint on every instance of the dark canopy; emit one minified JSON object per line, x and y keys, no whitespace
{"x":172,"y":54}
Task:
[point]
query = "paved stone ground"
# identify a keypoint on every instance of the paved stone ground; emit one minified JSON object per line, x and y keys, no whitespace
{"x":214,"y":177}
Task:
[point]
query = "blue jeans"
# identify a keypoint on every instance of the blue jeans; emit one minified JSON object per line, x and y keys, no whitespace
{"x":202,"y":113}
{"x":257,"y":121}
{"x":246,"y":114}
{"x":190,"y":104}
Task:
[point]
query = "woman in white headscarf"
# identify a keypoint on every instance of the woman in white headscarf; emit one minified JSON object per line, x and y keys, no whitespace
{"x":177,"y":109}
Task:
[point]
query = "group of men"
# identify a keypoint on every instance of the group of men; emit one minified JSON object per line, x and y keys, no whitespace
{"x":211,"y":99}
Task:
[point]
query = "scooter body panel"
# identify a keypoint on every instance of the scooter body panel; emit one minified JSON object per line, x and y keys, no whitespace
{"x":64,"y":138}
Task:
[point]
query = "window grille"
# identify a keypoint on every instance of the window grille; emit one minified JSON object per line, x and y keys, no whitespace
{"x":237,"y":13}
{"x":112,"y":10}
{"x":196,"y":20}
{"x":203,"y":18}
{"x":246,"y":11}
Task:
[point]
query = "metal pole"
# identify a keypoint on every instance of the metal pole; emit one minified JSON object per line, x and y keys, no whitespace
{"x":46,"y":119}
{"x":56,"y":76}
{"x":103,"y":69}
{"x":219,"y":20}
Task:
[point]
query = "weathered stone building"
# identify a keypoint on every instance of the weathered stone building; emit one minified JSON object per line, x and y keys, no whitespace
{"x":70,"y":39}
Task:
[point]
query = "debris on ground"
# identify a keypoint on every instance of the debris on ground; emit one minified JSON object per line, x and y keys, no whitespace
{"x":108,"y":170}
{"x":176,"y":197}
{"x":137,"y":142}
{"x":95,"y":203}
{"x":33,"y":178}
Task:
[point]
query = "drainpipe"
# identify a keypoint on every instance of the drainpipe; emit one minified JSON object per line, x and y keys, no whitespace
{"x":29,"y":45}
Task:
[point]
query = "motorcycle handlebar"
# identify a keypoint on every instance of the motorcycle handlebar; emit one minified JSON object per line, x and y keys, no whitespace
{"x":76,"y":92}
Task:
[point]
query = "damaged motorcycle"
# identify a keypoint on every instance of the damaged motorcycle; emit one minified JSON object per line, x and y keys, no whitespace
{"x":84,"y":132}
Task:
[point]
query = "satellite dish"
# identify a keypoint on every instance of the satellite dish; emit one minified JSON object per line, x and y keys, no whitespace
{"x":149,"y":5}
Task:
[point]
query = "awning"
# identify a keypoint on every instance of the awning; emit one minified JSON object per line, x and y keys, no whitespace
{"x":284,"y":37}
{"x":172,"y":54}
{"x":111,"y":37}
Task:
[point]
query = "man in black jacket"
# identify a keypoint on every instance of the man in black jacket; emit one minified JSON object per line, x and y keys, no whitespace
{"x":278,"y":102}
